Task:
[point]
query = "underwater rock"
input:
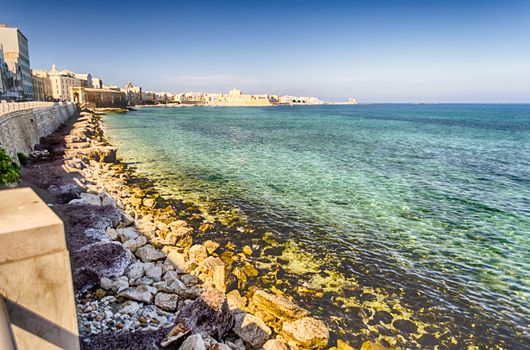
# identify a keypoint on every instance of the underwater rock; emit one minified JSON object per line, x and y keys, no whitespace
{"x":278,"y":306}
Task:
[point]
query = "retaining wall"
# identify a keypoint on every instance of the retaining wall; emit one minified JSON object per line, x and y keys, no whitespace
{"x":21,"y":130}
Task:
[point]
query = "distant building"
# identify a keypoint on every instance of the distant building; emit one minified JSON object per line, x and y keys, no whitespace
{"x":134,"y":94}
{"x":148,"y":97}
{"x":236,"y":98}
{"x":85,"y":79}
{"x":16,"y":56}
{"x":42,"y":89}
{"x":61,"y":82}
{"x":3,"y":73}
{"x":98,"y":98}
{"x":97,"y":83}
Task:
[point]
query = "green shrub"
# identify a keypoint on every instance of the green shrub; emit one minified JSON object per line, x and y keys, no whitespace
{"x":22,"y":158}
{"x":9,"y":170}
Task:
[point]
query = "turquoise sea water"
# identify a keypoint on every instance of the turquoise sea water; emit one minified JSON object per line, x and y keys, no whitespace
{"x":428,"y":204}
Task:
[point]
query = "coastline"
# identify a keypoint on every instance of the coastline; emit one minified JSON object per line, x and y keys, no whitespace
{"x":157,"y":271}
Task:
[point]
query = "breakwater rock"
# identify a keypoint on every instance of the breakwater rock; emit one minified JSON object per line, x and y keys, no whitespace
{"x":141,"y":280}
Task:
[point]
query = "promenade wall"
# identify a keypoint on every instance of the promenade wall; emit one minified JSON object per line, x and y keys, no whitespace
{"x":23,"y":124}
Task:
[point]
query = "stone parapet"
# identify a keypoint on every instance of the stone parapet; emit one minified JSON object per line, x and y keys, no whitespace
{"x":35,"y":274}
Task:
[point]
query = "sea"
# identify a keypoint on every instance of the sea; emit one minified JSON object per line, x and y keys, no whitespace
{"x":403,"y":224}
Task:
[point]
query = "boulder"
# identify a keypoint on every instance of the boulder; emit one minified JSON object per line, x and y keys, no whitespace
{"x":251,"y":329}
{"x":208,"y":314}
{"x":153,"y":271}
{"x":134,"y":244}
{"x":307,"y":332}
{"x":180,"y":237}
{"x":193,"y":342}
{"x":166,"y":301}
{"x":278,"y":306}
{"x":211,"y":246}
{"x":236,"y":302}
{"x":197,"y":252}
{"x":189,"y":280}
{"x":126,"y":233}
{"x":88,"y":199}
{"x":140,"y":293}
{"x":135,"y":270}
{"x":212,"y":271}
{"x":148,"y":253}
{"x":115,"y":285}
{"x":178,"y":261}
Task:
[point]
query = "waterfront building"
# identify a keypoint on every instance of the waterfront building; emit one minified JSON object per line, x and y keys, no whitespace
{"x":42,"y":89}
{"x":97,"y":83}
{"x":85,"y":79}
{"x":148,"y":97}
{"x":237,"y":98}
{"x":98,"y":98}
{"x":61,"y":82}
{"x":16,"y":56}
{"x":3,"y":73}
{"x":133,"y":93}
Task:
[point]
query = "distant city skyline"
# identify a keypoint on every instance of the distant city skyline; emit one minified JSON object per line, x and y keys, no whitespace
{"x":375,"y":51}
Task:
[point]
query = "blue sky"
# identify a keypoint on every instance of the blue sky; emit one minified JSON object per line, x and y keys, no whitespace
{"x":376,"y":51}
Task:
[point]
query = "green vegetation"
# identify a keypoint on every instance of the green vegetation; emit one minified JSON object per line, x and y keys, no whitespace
{"x":9,"y":170}
{"x":23,"y":158}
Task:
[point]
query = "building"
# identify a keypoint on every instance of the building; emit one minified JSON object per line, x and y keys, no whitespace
{"x":61,"y":82}
{"x":134,"y":94}
{"x":16,"y":56}
{"x":42,"y":89}
{"x":148,"y":97}
{"x":85,"y":79}
{"x":3,"y":73}
{"x":98,"y":98}
{"x":236,"y":98}
{"x":97,"y":83}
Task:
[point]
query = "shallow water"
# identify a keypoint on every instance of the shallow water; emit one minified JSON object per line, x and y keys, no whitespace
{"x":421,"y":211}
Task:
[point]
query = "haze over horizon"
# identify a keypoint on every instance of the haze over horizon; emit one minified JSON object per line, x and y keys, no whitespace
{"x":375,"y":51}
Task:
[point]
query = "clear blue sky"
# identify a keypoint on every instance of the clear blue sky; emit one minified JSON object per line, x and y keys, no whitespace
{"x":376,"y":51}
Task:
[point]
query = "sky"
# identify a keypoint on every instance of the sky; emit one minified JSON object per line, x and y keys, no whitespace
{"x":375,"y":51}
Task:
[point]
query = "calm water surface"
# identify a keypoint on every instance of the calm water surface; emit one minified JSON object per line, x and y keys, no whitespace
{"x":400,"y":214}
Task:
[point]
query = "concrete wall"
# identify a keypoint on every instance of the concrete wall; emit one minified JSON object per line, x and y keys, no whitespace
{"x":20,"y":131}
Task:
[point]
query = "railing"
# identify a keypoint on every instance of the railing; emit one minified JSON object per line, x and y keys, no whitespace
{"x":9,"y":107}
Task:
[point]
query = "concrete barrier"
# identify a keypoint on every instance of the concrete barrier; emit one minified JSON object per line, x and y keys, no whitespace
{"x":35,"y":274}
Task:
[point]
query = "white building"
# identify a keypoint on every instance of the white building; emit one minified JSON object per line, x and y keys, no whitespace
{"x":61,"y":82}
{"x":16,"y":55}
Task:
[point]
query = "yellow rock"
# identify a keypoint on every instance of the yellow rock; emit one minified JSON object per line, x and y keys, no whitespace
{"x":368,"y":345}
{"x":341,"y":345}
{"x":205,"y":227}
{"x":247,"y":250}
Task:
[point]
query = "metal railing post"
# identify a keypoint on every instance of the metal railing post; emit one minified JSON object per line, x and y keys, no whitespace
{"x":7,"y":340}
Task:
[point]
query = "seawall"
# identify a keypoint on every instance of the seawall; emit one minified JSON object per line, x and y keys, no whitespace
{"x":21,"y":130}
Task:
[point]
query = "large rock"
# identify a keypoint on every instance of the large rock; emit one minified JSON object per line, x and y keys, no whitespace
{"x":140,"y":293}
{"x":135,"y":270}
{"x":213,"y":272}
{"x":148,"y":253}
{"x":126,"y":233}
{"x":208,"y":314}
{"x":197,"y":252}
{"x":251,"y":329}
{"x":307,"y":332}
{"x":134,"y":244}
{"x":106,"y":260}
{"x":193,"y":342}
{"x":278,"y":306}
{"x":180,"y":237}
{"x":166,"y":301}
{"x":178,"y":261}
{"x":87,"y":198}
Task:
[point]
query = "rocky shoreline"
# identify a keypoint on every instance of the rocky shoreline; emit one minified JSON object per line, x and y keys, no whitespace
{"x":140,"y":280}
